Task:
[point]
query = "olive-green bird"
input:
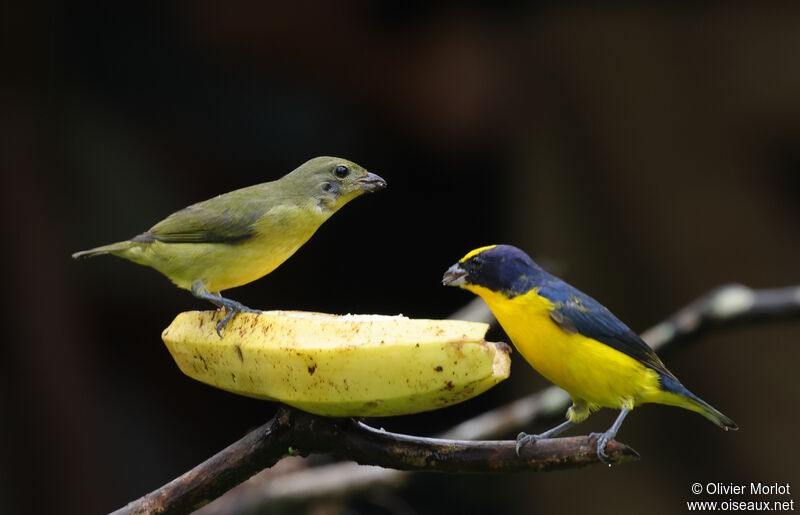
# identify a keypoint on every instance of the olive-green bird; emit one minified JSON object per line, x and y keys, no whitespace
{"x":238,"y":237}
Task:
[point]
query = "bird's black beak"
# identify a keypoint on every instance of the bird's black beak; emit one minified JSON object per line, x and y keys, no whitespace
{"x":455,"y":276}
{"x":371,"y":182}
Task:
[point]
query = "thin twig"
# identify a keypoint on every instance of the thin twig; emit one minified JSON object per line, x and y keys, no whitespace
{"x":722,"y":307}
{"x":295,"y":432}
{"x":259,"y":449}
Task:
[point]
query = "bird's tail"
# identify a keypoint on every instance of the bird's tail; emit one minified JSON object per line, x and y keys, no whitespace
{"x":692,"y":402}
{"x":105,"y":249}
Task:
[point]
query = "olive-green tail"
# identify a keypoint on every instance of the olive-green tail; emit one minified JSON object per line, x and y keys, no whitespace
{"x":105,"y":249}
{"x":694,"y":403}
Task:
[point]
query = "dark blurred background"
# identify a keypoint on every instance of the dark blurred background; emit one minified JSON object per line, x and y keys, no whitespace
{"x":647,"y":153}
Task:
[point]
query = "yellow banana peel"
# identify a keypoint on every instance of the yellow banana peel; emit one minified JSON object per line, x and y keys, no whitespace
{"x":351,"y":365}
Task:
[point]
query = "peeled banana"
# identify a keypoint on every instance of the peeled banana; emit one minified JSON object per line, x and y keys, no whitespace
{"x":351,"y":365}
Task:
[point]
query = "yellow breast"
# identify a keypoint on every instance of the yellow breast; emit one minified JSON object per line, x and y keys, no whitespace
{"x":586,"y":368}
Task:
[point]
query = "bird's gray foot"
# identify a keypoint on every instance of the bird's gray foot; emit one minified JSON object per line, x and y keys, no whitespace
{"x":602,"y":441}
{"x":222,"y":323}
{"x":232,"y":308}
{"x":524,"y":439}
{"x":604,"y":438}
{"x":199,"y":290}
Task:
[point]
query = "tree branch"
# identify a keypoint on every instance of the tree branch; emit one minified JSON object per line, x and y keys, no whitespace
{"x":391,"y":450}
{"x":259,"y":449}
{"x":295,"y":432}
{"x":723,"y":307}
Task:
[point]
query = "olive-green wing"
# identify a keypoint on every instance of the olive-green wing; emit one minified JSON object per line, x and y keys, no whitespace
{"x":228,"y":218}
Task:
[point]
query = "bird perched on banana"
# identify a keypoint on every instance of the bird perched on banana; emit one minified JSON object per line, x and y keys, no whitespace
{"x":243,"y":235}
{"x":573,"y":341}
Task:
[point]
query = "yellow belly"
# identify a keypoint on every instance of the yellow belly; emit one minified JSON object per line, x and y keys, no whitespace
{"x":219,"y":266}
{"x":587,"y":369}
{"x":222,"y":266}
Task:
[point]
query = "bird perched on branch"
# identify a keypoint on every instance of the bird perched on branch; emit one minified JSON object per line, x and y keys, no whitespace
{"x":573,"y":341}
{"x":238,"y":237}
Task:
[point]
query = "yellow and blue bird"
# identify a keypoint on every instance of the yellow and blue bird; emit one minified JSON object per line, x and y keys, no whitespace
{"x":573,"y":341}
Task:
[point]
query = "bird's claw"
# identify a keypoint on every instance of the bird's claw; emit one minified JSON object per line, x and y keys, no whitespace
{"x":222,"y":323}
{"x":602,"y":441}
{"x":231,"y":313}
{"x":524,"y":439}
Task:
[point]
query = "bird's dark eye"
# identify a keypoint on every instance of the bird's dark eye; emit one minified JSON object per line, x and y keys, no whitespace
{"x":341,"y":171}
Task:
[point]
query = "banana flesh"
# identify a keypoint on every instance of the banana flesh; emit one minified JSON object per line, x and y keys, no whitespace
{"x":352,"y":365}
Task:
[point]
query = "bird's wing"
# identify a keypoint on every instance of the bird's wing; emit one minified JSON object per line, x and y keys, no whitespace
{"x":222,"y":219}
{"x":578,"y":313}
